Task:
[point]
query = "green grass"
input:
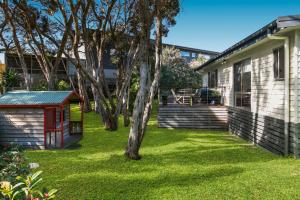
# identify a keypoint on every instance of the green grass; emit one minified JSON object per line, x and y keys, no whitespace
{"x":176,"y":164}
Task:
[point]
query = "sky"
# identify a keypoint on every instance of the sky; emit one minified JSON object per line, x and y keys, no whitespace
{"x":218,"y":24}
{"x":1,"y":58}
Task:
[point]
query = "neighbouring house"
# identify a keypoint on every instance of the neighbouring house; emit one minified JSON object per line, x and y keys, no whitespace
{"x":67,"y":71}
{"x":39,"y":120}
{"x":259,"y":81}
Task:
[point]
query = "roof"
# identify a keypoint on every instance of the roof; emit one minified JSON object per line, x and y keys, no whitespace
{"x":271,"y":28}
{"x":212,"y":53}
{"x":35,"y":98}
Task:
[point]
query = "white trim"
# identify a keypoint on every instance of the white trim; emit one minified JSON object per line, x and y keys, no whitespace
{"x":286,"y":88}
{"x":296,"y":103}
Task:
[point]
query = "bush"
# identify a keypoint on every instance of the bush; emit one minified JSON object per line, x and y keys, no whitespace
{"x":209,"y":96}
{"x":10,"y":79}
{"x":12,"y":162}
{"x":62,"y":85}
{"x":41,"y":86}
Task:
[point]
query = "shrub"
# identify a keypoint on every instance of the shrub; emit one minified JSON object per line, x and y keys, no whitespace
{"x":209,"y":96}
{"x":12,"y":162}
{"x":10,"y":79}
{"x":41,"y":86}
{"x":62,"y":85}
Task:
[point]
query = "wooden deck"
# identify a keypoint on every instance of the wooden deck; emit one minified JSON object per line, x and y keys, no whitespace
{"x":198,"y":116}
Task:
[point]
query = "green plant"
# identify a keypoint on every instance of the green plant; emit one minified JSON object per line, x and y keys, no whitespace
{"x":216,"y":97}
{"x":62,"y":85}
{"x":12,"y":162}
{"x":9,"y":79}
{"x":176,"y":73}
{"x":9,"y":191}
{"x":26,"y":188}
{"x":41,"y":86}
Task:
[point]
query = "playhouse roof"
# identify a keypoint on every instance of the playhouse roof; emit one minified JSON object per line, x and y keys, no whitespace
{"x":17,"y":98}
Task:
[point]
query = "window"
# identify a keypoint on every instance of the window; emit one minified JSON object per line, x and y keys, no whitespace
{"x":242,"y":84}
{"x":194,"y":55}
{"x":278,"y":63}
{"x":213,"y":79}
{"x":185,"y":54}
{"x":64,"y":116}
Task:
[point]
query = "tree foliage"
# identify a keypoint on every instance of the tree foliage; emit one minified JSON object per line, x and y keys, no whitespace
{"x":10,"y":79}
{"x":176,"y":73}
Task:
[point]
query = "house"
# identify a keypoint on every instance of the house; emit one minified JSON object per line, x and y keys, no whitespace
{"x":66,"y":69}
{"x":191,"y":54}
{"x":258,"y":79}
{"x":39,"y":120}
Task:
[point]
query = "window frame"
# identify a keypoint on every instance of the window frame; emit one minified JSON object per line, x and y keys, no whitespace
{"x":213,"y":84}
{"x":241,"y":92}
{"x":276,"y":54}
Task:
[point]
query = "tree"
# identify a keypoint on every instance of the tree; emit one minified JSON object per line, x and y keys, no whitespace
{"x":197,"y":62}
{"x":82,"y":92}
{"x":46,"y":35}
{"x":160,"y":10}
{"x":11,"y":32}
{"x":176,"y":73}
{"x":101,"y":26}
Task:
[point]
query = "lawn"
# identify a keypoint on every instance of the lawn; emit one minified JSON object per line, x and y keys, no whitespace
{"x":176,"y":164}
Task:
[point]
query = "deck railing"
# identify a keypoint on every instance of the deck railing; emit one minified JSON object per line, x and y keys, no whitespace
{"x":189,"y":97}
{"x":76,"y":127}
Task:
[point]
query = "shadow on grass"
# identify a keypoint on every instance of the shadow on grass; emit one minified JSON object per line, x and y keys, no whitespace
{"x":112,"y":187}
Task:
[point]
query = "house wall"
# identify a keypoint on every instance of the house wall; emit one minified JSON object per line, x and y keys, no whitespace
{"x":263,"y":124}
{"x":23,"y":126}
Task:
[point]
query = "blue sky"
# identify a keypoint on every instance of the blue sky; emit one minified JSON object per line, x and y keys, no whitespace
{"x":218,"y":24}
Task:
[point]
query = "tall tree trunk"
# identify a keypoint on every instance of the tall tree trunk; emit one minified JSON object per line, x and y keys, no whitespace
{"x":83,"y":93}
{"x":111,"y":123}
{"x":155,"y":83}
{"x":96,"y":100}
{"x":51,"y":82}
{"x":19,"y":49}
{"x":125,"y":109}
{"x":134,"y":139}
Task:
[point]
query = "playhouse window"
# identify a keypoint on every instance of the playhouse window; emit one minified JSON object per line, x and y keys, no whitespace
{"x":278,"y":63}
{"x":63,"y":115}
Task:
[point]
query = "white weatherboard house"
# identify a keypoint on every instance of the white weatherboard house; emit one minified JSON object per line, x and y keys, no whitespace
{"x":259,"y":80}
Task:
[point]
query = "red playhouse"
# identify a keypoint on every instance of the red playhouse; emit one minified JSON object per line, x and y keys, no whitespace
{"x":40,"y":119}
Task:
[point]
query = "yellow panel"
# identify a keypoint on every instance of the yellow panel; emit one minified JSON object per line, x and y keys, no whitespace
{"x":2,"y":68}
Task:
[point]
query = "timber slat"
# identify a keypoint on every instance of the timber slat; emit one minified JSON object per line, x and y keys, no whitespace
{"x":193,"y":117}
{"x":264,"y":131}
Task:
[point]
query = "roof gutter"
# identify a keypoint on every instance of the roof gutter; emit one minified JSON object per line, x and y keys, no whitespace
{"x":248,"y":41}
{"x":271,"y":28}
